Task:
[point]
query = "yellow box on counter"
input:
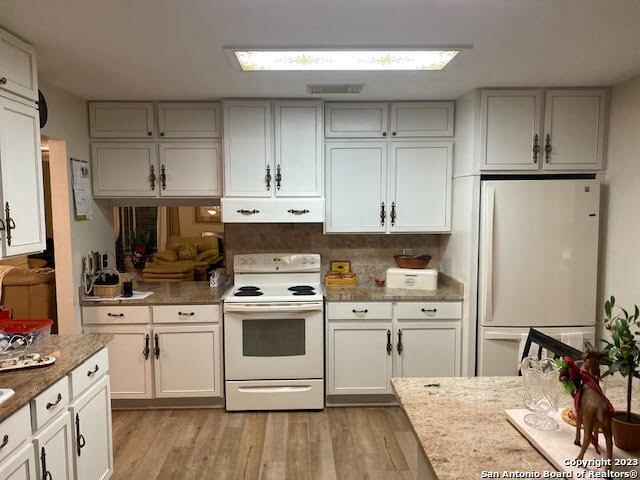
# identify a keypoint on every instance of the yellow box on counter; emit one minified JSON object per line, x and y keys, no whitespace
{"x":333,"y":279}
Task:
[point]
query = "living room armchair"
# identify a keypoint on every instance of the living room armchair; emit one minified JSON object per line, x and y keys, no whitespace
{"x":185,"y":258}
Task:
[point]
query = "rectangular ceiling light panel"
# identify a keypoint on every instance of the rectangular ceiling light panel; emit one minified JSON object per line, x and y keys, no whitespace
{"x":279,"y":60}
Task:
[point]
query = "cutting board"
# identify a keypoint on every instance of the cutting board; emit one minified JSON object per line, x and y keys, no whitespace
{"x":136,"y":296}
{"x":557,"y":445}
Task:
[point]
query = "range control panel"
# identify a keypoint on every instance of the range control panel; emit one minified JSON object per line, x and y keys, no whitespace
{"x":276,"y":262}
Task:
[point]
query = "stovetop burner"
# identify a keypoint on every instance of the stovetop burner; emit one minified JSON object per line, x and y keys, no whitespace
{"x":301,"y":288}
{"x":248,"y":293}
{"x":249,"y":288}
{"x":304,"y":292}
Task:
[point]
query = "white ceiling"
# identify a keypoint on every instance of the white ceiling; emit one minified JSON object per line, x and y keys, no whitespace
{"x":172,"y":49}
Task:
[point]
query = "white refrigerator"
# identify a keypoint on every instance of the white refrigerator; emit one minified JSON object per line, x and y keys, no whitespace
{"x":537,"y":266}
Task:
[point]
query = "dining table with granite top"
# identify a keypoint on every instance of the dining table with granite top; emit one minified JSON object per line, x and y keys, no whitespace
{"x":463,"y":431}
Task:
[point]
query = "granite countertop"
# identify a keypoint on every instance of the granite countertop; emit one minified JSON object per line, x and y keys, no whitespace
{"x":168,"y":293}
{"x":69,"y":352}
{"x":463,"y":430}
{"x":449,"y":290}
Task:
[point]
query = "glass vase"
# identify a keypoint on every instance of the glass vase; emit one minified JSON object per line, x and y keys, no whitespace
{"x":541,"y":392}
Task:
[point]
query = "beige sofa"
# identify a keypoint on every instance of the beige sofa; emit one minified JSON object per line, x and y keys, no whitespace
{"x":185,"y":258}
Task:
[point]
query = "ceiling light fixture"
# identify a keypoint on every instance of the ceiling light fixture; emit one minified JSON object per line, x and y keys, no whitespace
{"x":309,"y":59}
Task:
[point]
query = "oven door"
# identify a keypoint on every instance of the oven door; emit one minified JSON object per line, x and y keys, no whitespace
{"x":271,"y":341}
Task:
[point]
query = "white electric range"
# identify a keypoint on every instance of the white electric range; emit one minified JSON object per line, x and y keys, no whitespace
{"x":274,"y":333}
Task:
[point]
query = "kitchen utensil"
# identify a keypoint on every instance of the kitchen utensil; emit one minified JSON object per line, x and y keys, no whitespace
{"x":412,"y":261}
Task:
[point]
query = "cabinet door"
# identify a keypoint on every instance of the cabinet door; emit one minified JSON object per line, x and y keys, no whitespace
{"x":428,"y":349}
{"x":21,"y":171}
{"x":18,"y":70}
{"x":121,"y":119}
{"x":574,"y":127}
{"x":129,"y":361}
{"x":92,"y":442}
{"x":248,"y":156}
{"x":298,"y":141}
{"x":54,"y":448}
{"x":20,"y":466}
{"x":420,"y":187}
{"x":190,"y":169}
{"x":125,"y":170}
{"x":356,"y":120}
{"x":187,"y":361}
{"x":190,"y":120}
{"x":421,"y":119}
{"x":356,"y":186}
{"x":357,"y":358}
{"x":510,"y":126}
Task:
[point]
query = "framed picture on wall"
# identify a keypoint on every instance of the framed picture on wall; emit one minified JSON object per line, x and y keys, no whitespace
{"x":210,"y":214}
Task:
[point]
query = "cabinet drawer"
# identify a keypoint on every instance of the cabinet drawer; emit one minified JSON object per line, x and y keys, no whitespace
{"x":114,"y":315}
{"x":14,"y":431}
{"x":358,"y":310}
{"x":88,"y":372}
{"x":428,"y":310}
{"x":186,"y":314}
{"x":49,"y":403}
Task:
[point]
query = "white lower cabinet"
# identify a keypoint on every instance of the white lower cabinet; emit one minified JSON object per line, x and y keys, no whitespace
{"x":369,"y":342}
{"x":186,"y":364}
{"x":20,"y":466}
{"x":91,"y":416}
{"x":129,"y":360}
{"x":178,"y":350}
{"x":54,"y":449}
{"x":359,"y":359}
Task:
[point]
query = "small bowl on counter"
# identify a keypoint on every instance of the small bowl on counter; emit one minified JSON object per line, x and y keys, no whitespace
{"x":412,"y":261}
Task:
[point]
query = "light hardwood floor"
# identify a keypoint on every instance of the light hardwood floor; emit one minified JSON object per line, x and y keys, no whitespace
{"x":374,"y":443}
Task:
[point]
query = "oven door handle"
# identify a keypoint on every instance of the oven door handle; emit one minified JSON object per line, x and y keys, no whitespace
{"x":278,"y":307}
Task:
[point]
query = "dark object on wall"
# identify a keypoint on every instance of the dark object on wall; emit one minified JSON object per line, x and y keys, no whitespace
{"x":42,"y":109}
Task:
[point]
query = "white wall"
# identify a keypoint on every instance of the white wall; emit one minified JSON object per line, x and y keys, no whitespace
{"x":68,"y":121}
{"x":620,"y":260}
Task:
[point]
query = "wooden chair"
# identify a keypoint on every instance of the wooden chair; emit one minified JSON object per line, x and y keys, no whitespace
{"x":556,"y":347}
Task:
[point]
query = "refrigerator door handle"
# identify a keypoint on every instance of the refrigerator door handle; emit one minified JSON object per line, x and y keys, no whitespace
{"x":487,"y":254}
{"x":502,"y":336}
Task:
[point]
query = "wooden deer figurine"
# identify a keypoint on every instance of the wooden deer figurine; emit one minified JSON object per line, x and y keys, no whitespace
{"x":593,"y":409}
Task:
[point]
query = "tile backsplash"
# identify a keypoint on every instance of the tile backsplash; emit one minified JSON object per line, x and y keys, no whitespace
{"x":370,"y":254}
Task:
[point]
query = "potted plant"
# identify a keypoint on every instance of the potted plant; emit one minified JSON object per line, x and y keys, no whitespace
{"x":140,"y":248}
{"x":623,"y":356}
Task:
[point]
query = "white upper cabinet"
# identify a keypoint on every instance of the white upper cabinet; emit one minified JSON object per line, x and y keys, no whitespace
{"x":542,"y":130}
{"x":388,"y":187}
{"x":356,"y":186}
{"x":121,"y":119}
{"x":511,"y":129}
{"x":574,"y":125}
{"x":298,"y":148}
{"x":248,"y":153}
{"x":18,"y":69}
{"x":420,"y":186}
{"x":190,"y":169}
{"x":372,"y":119}
{"x":422,"y":119}
{"x":252,"y":169}
{"x":22,"y":212}
{"x":357,"y":119}
{"x":190,"y":120}
{"x":125,"y":170}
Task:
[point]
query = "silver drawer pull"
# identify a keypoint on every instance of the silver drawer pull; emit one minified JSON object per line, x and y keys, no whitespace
{"x":360,"y":311}
{"x":429,"y":310}
{"x":186,"y":314}
{"x":50,"y":405}
{"x":91,"y":372}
